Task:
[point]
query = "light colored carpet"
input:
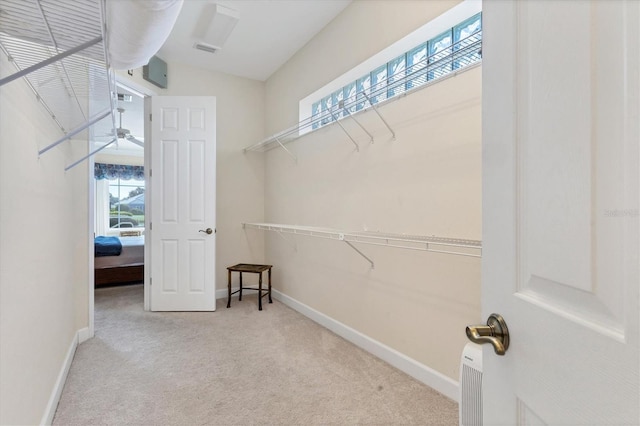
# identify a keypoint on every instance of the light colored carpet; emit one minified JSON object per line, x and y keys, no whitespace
{"x":233,"y":366}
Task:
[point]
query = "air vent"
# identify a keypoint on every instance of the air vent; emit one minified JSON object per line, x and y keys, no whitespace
{"x":206,"y":47}
{"x":214,"y":26}
{"x":471,"y":386}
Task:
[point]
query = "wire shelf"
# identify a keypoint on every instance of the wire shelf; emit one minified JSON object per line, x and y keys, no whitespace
{"x":73,"y":88}
{"x":456,"y":59}
{"x":456,"y":246}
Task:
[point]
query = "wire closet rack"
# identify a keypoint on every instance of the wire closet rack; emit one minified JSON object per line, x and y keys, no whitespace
{"x":453,"y":60}
{"x":455,"y":246}
{"x":58,"y":47}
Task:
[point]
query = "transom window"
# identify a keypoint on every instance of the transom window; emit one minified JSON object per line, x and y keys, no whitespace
{"x":451,"y":50}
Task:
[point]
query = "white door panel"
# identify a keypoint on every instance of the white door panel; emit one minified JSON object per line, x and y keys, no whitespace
{"x":560,"y":210}
{"x":183,"y":203}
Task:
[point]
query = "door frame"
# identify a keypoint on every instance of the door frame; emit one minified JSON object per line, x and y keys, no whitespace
{"x":143,"y":92}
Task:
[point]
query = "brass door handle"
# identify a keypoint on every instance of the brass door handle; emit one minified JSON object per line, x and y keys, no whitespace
{"x":208,"y":231}
{"x":495,"y":332}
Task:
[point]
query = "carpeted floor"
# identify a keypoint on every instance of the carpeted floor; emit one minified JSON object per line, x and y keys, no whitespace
{"x":233,"y":366}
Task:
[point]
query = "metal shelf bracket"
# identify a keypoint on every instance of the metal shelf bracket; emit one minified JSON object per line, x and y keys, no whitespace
{"x":290,"y":241}
{"x":361,"y":254}
{"x":71,"y":166}
{"x":346,"y":110}
{"x":345,"y":131}
{"x":375,"y":108}
{"x":287,"y":151}
{"x":75,"y":131}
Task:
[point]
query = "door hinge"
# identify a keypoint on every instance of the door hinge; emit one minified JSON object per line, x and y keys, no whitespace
{"x":150,"y":172}
{"x":150,"y":226}
{"x":150,"y":281}
{"x":150,"y":117}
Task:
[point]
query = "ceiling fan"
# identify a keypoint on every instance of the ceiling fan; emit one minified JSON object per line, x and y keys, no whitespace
{"x":123,"y":133}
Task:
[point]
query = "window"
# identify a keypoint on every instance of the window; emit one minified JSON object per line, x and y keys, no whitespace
{"x":440,"y":49}
{"x":350,"y":97}
{"x":363,"y":85}
{"x":336,"y":100}
{"x":126,"y":203}
{"x":396,"y":72}
{"x":466,"y":38}
{"x":325,"y":106}
{"x":378,"y":82}
{"x":315,"y":114}
{"x":416,"y":63}
{"x":455,"y":48}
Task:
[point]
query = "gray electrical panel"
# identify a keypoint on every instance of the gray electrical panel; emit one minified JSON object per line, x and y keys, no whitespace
{"x":156,"y":72}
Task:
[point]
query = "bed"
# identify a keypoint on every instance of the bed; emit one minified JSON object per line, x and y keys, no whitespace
{"x":127,"y":267}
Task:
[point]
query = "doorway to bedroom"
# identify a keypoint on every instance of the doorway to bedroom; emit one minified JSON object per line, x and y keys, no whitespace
{"x":119,"y":198}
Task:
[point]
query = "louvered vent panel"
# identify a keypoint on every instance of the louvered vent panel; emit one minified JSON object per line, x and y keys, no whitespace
{"x":471,"y":386}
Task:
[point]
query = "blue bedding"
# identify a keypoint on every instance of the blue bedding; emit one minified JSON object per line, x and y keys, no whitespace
{"x":107,"y":246}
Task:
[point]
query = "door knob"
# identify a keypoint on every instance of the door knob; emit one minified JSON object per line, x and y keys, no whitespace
{"x":208,"y":231}
{"x":495,"y":332}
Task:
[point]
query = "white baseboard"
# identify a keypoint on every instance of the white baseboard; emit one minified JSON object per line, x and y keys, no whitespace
{"x":413,"y":368}
{"x":84,"y":335}
{"x":224,"y":292}
{"x":52,"y":405}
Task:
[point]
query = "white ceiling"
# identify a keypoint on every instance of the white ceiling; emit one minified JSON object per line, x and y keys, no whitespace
{"x":268,"y":34}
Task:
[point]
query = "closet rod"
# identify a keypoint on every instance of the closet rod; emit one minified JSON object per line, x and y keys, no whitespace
{"x":49,"y":61}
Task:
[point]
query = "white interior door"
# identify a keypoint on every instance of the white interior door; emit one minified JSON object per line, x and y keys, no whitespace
{"x":560,"y":210}
{"x":183,"y":193}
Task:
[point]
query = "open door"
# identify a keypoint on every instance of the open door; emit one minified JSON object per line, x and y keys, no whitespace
{"x":182,"y":192}
{"x":560,"y":211}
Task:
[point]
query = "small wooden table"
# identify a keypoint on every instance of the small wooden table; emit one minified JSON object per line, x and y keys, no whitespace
{"x":255,"y":269}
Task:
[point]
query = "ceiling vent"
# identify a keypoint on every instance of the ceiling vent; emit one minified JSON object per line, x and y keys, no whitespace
{"x":205,"y":47}
{"x":214,"y":27}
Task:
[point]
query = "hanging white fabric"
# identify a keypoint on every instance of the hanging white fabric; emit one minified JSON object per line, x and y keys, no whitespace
{"x":137,"y":29}
{"x":102,"y":207}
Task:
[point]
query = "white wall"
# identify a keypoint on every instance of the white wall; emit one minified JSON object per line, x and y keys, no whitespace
{"x":426,"y":182}
{"x":239,"y":177}
{"x":44,"y":227}
{"x":43,"y":253}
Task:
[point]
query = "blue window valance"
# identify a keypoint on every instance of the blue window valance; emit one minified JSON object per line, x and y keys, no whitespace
{"x":114,"y":171}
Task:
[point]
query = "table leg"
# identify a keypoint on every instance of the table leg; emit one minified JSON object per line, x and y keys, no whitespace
{"x":240,"y":297}
{"x":270,"y":301}
{"x":260,"y":291}
{"x":229,"y":291}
